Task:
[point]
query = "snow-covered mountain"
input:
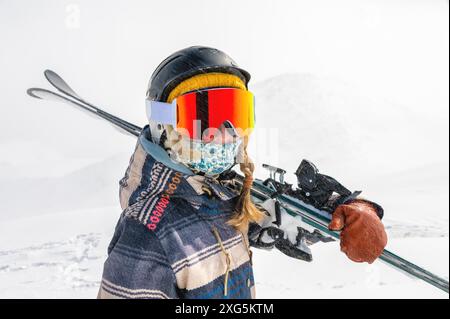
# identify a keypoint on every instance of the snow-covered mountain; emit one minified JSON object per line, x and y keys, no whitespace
{"x":95,"y":184}
{"x":325,"y":119}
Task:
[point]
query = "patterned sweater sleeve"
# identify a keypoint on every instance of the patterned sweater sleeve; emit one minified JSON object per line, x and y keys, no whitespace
{"x":137,"y":266}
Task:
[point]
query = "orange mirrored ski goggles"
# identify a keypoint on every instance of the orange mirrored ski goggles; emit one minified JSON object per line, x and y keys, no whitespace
{"x":196,"y":113}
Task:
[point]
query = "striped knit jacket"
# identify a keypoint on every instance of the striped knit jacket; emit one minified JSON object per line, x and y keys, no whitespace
{"x":172,"y":240}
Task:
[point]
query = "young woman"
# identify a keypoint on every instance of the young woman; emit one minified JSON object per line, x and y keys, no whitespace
{"x":183,"y":233}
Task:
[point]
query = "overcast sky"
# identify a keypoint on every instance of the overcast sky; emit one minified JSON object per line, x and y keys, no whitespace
{"x":108,"y":49}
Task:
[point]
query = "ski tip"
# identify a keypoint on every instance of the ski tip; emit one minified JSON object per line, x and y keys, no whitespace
{"x":30,"y":92}
{"x":50,"y":73}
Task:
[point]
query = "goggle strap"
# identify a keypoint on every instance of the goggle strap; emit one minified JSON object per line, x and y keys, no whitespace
{"x":160,"y":112}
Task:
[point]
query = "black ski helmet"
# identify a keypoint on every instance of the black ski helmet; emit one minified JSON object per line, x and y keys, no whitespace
{"x":188,"y":62}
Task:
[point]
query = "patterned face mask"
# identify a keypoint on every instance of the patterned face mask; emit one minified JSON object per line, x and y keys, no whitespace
{"x":209,"y":158}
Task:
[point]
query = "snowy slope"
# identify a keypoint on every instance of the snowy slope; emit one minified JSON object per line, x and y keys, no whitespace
{"x":89,"y":183}
{"x":56,"y":255}
{"x":66,"y":262}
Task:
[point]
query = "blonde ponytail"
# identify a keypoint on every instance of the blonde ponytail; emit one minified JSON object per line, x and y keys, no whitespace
{"x":245,"y":210}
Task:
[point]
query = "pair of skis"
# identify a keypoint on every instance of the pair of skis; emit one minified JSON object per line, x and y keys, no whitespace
{"x":262,"y":190}
{"x":68,"y":95}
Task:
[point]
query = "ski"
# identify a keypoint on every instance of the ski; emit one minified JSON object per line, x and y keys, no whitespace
{"x":53,"y":96}
{"x":272,"y":188}
{"x":319,"y":220}
{"x":61,"y":85}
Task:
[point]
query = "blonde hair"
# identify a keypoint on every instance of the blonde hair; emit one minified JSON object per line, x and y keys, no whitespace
{"x":245,"y":210}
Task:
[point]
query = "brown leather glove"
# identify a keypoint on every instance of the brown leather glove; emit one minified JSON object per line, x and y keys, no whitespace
{"x":363,"y":237}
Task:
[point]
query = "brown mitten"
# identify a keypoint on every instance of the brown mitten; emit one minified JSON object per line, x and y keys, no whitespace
{"x":363,"y":237}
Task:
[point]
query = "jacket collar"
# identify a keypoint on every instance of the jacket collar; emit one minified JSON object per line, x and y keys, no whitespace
{"x":199,"y":183}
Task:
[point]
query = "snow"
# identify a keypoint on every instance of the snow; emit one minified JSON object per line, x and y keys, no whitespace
{"x":341,"y":278}
{"x":361,"y":90}
{"x":41,"y":261}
